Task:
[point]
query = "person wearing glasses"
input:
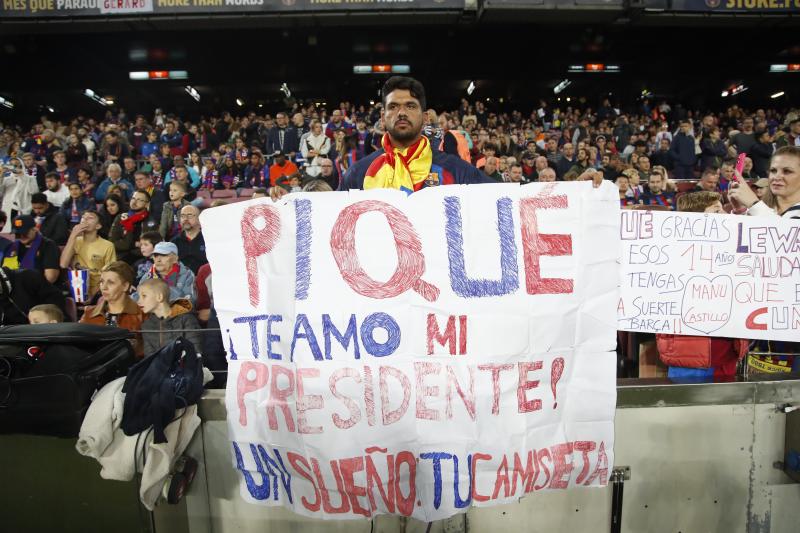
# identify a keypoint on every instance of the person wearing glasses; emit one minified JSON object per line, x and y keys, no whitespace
{"x":190,"y":243}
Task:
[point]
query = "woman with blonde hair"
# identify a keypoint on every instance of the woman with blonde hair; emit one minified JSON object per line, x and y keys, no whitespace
{"x":116,"y":307}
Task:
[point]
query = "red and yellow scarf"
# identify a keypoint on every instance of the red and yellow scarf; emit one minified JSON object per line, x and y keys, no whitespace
{"x":403,"y":169}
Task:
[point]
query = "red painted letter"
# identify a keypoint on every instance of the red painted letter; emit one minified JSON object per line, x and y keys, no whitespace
{"x":535,"y":245}
{"x":258,"y":242}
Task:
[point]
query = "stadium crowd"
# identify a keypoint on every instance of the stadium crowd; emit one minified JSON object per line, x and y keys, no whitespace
{"x":106,"y":212}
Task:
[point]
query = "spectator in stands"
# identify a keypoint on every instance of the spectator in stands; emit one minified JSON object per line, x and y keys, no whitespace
{"x":60,"y":167}
{"x":56,"y":193}
{"x":73,"y":207}
{"x":404,"y":101}
{"x":167,"y":319}
{"x":547,"y":175}
{"x":113,"y":150}
{"x":761,"y":153}
{"x":784,"y":186}
{"x":581,"y":161}
{"x":170,"y":214}
{"x":172,"y":138}
{"x":21,"y":291}
{"x":313,"y":145}
{"x":491,"y":169}
{"x":45,"y":314}
{"x":114,"y":177}
{"x":655,"y":194}
{"x":76,"y":154}
{"x":282,"y":138}
{"x":31,"y":250}
{"x":256,"y":173}
{"x":86,"y":250}
{"x":623,"y":186}
{"x":31,"y":169}
{"x":128,"y":226}
{"x":682,"y":152}
{"x":515,"y":174}
{"x":713,"y":149}
{"x":337,"y":122}
{"x":87,"y":182}
{"x":229,"y":173}
{"x":167,"y":267}
{"x":190,"y":242}
{"x":17,"y":188}
{"x":762,"y":186}
{"x":128,"y":168}
{"x":567,"y":160}
{"x":138,"y":134}
{"x":791,"y":137}
{"x":701,"y":202}
{"x":116,"y":308}
{"x":111,"y":207}
{"x":180,"y":162}
{"x":709,"y":181}
{"x":144,"y":182}
{"x":147,"y":243}
{"x":744,"y":140}
{"x":48,"y":219}
{"x":151,"y":146}
{"x":663,"y":157}
{"x":182,"y":176}
{"x":282,"y":167}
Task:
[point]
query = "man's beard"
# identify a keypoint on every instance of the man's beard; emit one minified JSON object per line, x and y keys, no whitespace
{"x":408,"y":135}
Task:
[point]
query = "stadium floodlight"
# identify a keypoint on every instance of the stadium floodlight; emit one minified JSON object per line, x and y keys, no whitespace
{"x":6,"y":103}
{"x":470,"y":88}
{"x":191,"y":91}
{"x":725,"y":94}
{"x":777,"y":95}
{"x":285,"y":90}
{"x":561,"y":86}
{"x":50,"y":108}
{"x":239,"y":102}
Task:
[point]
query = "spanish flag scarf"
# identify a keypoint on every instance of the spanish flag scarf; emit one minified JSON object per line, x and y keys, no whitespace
{"x":403,"y":169}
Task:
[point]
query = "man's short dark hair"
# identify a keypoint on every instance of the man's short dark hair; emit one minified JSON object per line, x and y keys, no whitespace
{"x":404,"y":83}
{"x":39,"y":198}
{"x":53,"y":175}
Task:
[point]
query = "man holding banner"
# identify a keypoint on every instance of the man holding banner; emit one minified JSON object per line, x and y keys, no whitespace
{"x":407,"y":161}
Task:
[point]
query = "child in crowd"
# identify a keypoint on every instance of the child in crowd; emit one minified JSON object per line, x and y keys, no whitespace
{"x":170,"y":216}
{"x":73,"y":207}
{"x":209,"y":176}
{"x":45,"y":314}
{"x":166,"y":320}
{"x":147,"y":242}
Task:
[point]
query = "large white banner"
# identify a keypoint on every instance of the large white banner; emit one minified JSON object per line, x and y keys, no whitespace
{"x":418,"y":355}
{"x":710,"y":275}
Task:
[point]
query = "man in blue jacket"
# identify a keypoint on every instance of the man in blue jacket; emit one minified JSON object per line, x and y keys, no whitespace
{"x":406,"y":160}
{"x":683,"y":152}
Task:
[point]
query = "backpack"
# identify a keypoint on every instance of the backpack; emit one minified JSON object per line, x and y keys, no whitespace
{"x":170,"y":379}
{"x":49,"y":373}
